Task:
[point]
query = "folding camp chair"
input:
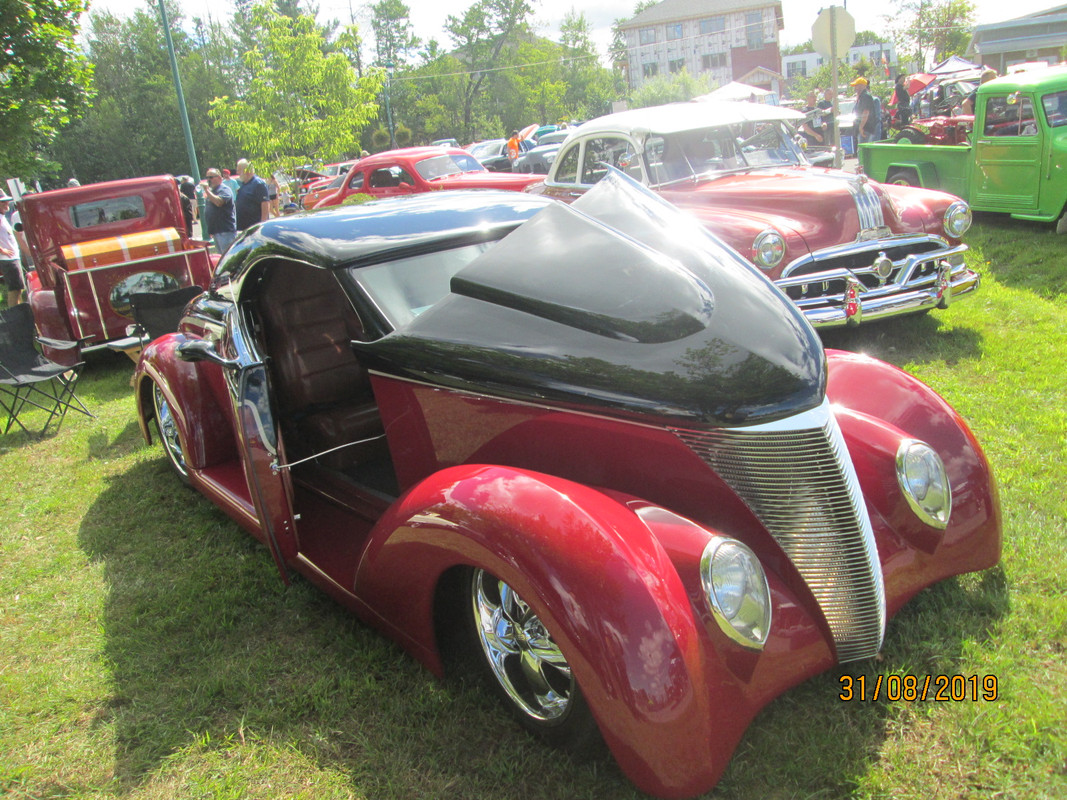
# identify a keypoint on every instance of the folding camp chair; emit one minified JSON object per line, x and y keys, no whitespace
{"x":27,"y":378}
{"x":154,"y":314}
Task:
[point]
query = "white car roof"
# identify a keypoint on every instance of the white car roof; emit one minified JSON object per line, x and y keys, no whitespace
{"x":676,"y":117}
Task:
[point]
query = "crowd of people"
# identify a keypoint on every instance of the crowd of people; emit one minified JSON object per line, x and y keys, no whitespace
{"x":232,"y":202}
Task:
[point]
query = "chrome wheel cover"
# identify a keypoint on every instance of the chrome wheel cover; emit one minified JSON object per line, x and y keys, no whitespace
{"x":168,"y":431}
{"x":522,"y":656}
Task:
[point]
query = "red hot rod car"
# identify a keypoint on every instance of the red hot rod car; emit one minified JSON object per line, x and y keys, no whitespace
{"x":617,"y":469}
{"x":842,"y":247}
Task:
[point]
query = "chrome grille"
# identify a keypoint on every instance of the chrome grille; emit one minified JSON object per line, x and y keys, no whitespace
{"x":796,"y":477}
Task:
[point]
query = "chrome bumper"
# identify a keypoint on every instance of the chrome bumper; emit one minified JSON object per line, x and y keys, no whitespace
{"x":911,"y":292}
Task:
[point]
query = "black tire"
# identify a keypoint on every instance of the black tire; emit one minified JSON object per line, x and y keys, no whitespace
{"x":169,"y":434}
{"x":511,"y":649}
{"x":903,"y":177}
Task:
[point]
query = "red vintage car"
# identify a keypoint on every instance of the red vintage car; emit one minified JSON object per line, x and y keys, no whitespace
{"x":420,"y":169}
{"x":93,"y":246}
{"x":588,"y":451}
{"x":938,"y":130}
{"x":842,"y":247}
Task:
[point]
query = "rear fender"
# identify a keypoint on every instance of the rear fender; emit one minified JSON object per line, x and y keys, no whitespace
{"x":926,"y":170}
{"x":206,"y":428}
{"x":598,"y":578}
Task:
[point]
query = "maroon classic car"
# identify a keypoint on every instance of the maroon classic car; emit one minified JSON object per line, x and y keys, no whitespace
{"x":421,"y":169}
{"x":842,"y":247}
{"x":588,"y":451}
{"x":93,"y":246}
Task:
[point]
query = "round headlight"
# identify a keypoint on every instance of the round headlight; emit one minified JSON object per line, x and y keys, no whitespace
{"x":736,"y":590}
{"x":922,"y":477}
{"x":957,"y":219}
{"x":768,"y":249}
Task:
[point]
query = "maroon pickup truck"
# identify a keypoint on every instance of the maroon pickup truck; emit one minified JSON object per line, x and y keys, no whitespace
{"x":93,"y":246}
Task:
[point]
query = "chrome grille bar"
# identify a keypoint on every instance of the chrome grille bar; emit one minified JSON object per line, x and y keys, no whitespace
{"x":796,"y":477}
{"x":868,"y":205}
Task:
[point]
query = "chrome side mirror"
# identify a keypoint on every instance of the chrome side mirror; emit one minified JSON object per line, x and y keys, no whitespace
{"x":194,"y":350}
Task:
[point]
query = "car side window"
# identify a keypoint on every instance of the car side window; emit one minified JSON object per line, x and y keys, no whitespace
{"x":567,"y":165}
{"x":608,"y":151}
{"x":356,"y":181}
{"x":390,"y":177}
{"x":1009,"y":115}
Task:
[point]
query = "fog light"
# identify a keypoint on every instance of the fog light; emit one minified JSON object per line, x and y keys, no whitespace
{"x":736,"y":590}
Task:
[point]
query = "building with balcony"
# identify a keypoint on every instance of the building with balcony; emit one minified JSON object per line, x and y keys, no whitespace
{"x":728,"y":40}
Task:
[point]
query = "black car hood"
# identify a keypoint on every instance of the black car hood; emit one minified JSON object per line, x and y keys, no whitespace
{"x":618,"y":304}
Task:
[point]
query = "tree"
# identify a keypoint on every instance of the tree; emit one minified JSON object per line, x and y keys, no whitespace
{"x":299,"y":102}
{"x":932,"y":30}
{"x":672,"y":88}
{"x":45,"y":82}
{"x":394,"y":40}
{"x":135,"y":100}
{"x":480,"y":37}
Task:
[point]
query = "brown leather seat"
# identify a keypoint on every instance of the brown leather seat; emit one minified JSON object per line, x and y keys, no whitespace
{"x":324,"y":393}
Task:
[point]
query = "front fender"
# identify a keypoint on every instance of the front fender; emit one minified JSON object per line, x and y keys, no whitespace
{"x":877,"y":406}
{"x":600,"y":581}
{"x":205,"y":427}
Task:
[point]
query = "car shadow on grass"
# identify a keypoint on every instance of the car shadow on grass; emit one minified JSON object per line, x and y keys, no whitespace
{"x":1020,"y":253}
{"x":216,"y":665}
{"x":820,"y":738}
{"x":211,"y":654}
{"x":911,"y":339}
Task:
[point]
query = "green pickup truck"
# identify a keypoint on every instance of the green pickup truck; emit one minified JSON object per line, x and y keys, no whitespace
{"x":1015,"y":162}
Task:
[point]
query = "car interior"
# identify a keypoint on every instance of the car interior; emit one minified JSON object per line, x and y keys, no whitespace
{"x":326,"y":408}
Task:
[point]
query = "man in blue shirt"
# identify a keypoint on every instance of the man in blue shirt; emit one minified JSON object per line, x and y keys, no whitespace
{"x":253,"y":198}
{"x":219,"y":211}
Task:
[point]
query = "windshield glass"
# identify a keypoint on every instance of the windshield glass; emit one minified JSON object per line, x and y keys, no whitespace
{"x":1055,"y":105}
{"x":688,"y":154}
{"x":493,"y":147}
{"x":447,"y":164}
{"x":405,"y":288}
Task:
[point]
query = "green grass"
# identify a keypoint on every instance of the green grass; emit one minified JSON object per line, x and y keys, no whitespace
{"x":149,"y":650}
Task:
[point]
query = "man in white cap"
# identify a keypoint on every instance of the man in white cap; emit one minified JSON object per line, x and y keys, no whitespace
{"x":10,"y":267}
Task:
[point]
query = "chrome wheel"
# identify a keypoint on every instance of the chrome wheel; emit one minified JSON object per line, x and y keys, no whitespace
{"x":168,"y":432}
{"x":522,"y":656}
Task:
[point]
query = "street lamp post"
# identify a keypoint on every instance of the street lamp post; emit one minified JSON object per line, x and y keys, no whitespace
{"x":181,"y":95}
{"x":388,"y":108}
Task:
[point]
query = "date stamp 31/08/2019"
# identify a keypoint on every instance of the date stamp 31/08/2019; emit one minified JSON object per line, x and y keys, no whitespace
{"x":939,"y":688}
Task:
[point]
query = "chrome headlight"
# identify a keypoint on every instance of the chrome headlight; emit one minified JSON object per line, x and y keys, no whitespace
{"x":768,"y":249}
{"x":957,"y":219}
{"x":736,"y":590}
{"x":922,"y":477}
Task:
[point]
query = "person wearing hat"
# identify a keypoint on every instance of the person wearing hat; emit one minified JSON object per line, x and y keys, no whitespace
{"x":10,"y":267}
{"x":866,"y":112}
{"x":219,"y":212}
